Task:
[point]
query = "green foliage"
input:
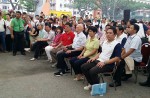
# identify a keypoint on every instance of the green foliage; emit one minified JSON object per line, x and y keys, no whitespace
{"x":29,"y":5}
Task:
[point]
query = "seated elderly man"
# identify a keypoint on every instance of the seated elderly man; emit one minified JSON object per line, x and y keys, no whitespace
{"x":71,"y":50}
{"x":44,"y":38}
{"x":132,"y":50}
{"x":104,"y":61}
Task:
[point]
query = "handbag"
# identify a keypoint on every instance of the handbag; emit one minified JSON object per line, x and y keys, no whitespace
{"x":99,"y":89}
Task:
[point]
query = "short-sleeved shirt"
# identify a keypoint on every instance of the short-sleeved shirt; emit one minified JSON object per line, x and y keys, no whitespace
{"x":50,"y":36}
{"x":2,"y":22}
{"x":42,"y":34}
{"x":67,"y":38}
{"x":134,"y":42}
{"x":7,"y":23}
{"x":122,"y":39}
{"x":17,"y":24}
{"x":90,"y":45}
{"x":79,"y":40}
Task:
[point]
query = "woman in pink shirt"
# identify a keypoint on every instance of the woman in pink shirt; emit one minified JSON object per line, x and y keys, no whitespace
{"x":56,"y":41}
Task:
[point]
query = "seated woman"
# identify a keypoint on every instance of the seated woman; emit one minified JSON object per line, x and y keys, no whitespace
{"x":90,"y":50}
{"x":104,"y":61}
{"x":55,"y":42}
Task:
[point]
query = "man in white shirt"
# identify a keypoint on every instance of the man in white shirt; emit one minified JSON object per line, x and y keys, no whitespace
{"x":2,"y":32}
{"x":8,"y":34}
{"x":72,"y":50}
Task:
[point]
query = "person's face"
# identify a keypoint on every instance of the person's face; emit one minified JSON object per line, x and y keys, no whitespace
{"x":7,"y":16}
{"x":131,"y":30}
{"x":67,"y":28}
{"x":148,"y":32}
{"x":64,"y":19}
{"x":18,"y":15}
{"x":106,"y":28}
{"x":40,"y":27}
{"x":41,"y":19}
{"x":80,"y":21}
{"x":118,"y":31}
{"x":47,"y":28}
{"x":37,"y":17}
{"x":91,"y":33}
{"x":58,"y":30}
{"x":110,"y":35}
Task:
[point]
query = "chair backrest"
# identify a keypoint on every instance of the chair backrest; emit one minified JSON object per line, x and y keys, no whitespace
{"x":145,"y":50}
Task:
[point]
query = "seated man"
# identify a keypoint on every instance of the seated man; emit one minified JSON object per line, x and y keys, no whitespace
{"x":66,"y":40}
{"x":131,"y":49}
{"x":104,"y":61}
{"x":72,"y":50}
{"x":44,"y":38}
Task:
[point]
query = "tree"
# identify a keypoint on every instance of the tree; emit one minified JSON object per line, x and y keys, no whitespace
{"x":29,"y":5}
{"x":83,"y":5}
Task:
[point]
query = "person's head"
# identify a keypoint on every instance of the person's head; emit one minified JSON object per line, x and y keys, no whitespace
{"x":79,"y":28}
{"x":37,"y":17}
{"x":95,"y":19}
{"x":92,"y":31}
{"x":86,"y":17}
{"x":80,"y":20}
{"x":47,"y":27}
{"x":18,"y":14}
{"x":41,"y":19}
{"x":123,"y":22}
{"x":148,"y":32}
{"x":68,"y":27}
{"x":120,"y":30}
{"x":111,"y":33}
{"x":51,"y":20}
{"x":64,"y":18}
{"x":134,"y":28}
{"x":130,"y":22}
{"x":88,"y":23}
{"x":103,"y":20}
{"x":40,"y":26}
{"x":7,"y":16}
{"x":59,"y":30}
{"x":107,"y":27}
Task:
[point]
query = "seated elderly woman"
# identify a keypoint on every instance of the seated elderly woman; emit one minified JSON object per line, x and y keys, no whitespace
{"x":90,"y":50}
{"x":104,"y":61}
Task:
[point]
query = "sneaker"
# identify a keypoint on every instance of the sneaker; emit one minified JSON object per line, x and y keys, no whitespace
{"x":58,"y":74}
{"x":88,"y":87}
{"x":54,"y":65}
{"x":33,"y":59}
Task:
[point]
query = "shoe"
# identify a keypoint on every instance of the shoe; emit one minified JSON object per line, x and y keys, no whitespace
{"x":126,"y":77}
{"x":14,"y":54}
{"x":144,"y":84}
{"x":87,"y":88}
{"x":78,"y":79}
{"x":67,"y":70}
{"x":58,"y":74}
{"x":114,"y":84}
{"x":54,"y":65}
{"x":33,"y":59}
{"x":23,"y":53}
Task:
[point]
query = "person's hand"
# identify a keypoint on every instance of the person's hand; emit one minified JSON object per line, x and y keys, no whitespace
{"x":65,"y":48}
{"x":79,"y":57}
{"x":100,"y":64}
{"x":12,"y":36}
{"x":68,"y":51}
{"x":91,"y":60}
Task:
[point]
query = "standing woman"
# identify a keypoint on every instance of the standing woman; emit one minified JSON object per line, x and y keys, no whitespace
{"x":90,"y":50}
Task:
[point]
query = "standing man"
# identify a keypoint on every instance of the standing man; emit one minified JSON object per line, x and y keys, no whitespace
{"x":17,"y":34}
{"x":2,"y":32}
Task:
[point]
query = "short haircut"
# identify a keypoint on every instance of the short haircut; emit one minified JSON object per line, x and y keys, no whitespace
{"x":18,"y":12}
{"x":92,"y":28}
{"x":64,"y":16}
{"x":136,"y":27}
{"x":24,"y":13}
{"x":41,"y":16}
{"x":133,"y":21}
{"x":113,"y":29}
{"x":69,"y":24}
{"x":8,"y":14}
{"x":89,"y":21}
{"x":48,"y":24}
{"x":120,"y":28}
{"x":60,"y":28}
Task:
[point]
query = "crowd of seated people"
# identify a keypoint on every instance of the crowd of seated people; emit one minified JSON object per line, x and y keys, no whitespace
{"x":92,"y":47}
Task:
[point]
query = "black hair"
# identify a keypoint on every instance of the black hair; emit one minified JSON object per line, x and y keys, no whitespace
{"x":18,"y":12}
{"x":89,"y":21}
{"x":8,"y":14}
{"x":64,"y":16}
{"x":24,"y":13}
{"x":120,"y":28}
{"x":41,"y":16}
{"x":69,"y":24}
{"x":60,"y":28}
{"x":53,"y":28}
{"x":133,"y":21}
{"x":92,"y":28}
{"x":48,"y":24}
{"x":136,"y":27}
{"x":113,"y":29}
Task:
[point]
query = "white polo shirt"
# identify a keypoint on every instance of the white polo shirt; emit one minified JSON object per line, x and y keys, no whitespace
{"x":7,"y":23}
{"x":79,"y":40}
{"x":107,"y":50}
{"x":49,"y":36}
{"x":120,"y":38}
{"x":134,"y":42}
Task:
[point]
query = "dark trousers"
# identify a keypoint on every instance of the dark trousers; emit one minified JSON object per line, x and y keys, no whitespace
{"x":2,"y":40}
{"x":61,"y":56}
{"x":76,"y":64}
{"x":18,"y":42}
{"x":38,"y":47}
{"x":8,"y":42}
{"x":121,"y":71}
{"x":91,"y":71}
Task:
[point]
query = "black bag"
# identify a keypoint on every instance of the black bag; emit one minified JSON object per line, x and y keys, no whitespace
{"x":4,"y":26}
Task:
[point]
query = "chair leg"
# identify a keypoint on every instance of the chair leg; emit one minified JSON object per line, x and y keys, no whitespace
{"x":113,"y":81}
{"x":101,"y":76}
{"x":136,"y":74}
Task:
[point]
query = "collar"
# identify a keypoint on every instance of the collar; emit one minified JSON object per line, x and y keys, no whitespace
{"x":93,"y":39}
{"x":132,"y":36}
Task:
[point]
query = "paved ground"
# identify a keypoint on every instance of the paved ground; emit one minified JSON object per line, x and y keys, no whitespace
{"x":21,"y":78}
